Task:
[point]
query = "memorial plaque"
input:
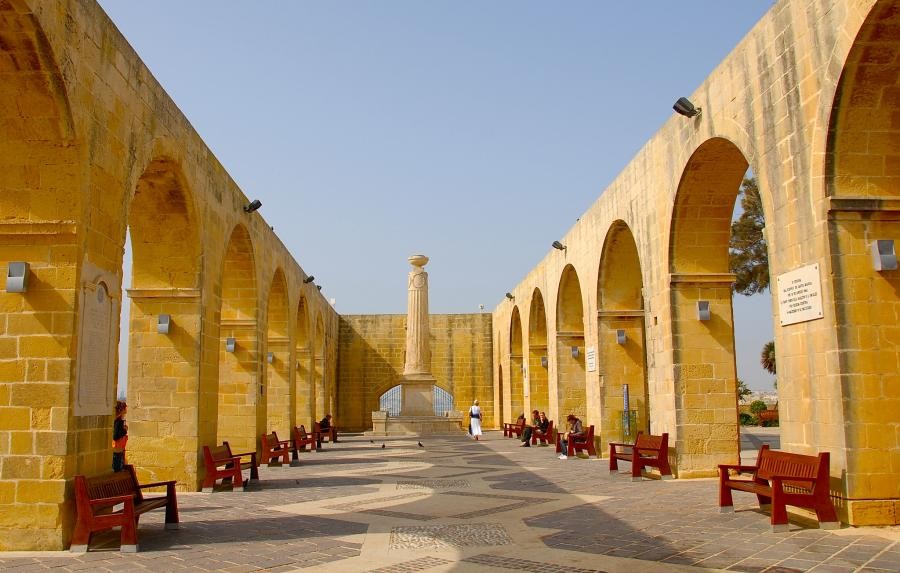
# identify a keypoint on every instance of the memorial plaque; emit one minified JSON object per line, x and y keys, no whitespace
{"x":591,"y":358}
{"x":799,"y":295}
{"x":96,"y":351}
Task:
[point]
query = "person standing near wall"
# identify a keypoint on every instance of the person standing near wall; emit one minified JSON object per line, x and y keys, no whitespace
{"x":120,"y":436}
{"x":475,"y":419}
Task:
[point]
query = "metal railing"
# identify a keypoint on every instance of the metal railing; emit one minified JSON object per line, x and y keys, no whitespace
{"x":392,"y":401}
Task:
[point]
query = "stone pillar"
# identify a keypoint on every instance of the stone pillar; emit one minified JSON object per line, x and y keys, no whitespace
{"x":417,"y":380}
{"x":418,"y":348}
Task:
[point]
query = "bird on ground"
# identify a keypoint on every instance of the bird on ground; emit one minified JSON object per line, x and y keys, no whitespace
{"x":382,"y":446}
{"x":420,"y":445}
{"x":371,"y":441}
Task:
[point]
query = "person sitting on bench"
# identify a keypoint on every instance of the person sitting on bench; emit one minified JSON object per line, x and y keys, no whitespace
{"x":326,"y":428}
{"x":575,"y":430}
{"x":535,"y":423}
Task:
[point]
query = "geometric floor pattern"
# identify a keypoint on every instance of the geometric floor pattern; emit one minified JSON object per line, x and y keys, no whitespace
{"x":460,"y":505}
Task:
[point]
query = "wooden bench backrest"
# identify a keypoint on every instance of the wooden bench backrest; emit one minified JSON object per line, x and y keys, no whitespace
{"x":651,"y":442}
{"x":773,"y":462}
{"x":216,"y":453}
{"x":301,"y":431}
{"x":589,"y":435}
{"x":109,"y":485}
{"x":549,"y":431}
{"x":271,"y":440}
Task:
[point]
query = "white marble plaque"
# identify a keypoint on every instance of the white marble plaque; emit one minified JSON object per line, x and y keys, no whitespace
{"x":799,"y":295}
{"x":96,"y":351}
{"x":591,"y":358}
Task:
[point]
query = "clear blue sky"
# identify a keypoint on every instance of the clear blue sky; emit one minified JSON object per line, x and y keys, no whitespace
{"x":473,"y":132}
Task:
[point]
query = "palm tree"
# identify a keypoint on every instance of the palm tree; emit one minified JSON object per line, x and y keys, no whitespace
{"x":767,"y":357}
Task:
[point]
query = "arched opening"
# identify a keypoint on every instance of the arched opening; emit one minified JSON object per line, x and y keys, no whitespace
{"x":163,"y":327}
{"x":538,"y":360}
{"x":279,"y":397}
{"x":862,"y":172}
{"x":516,"y":366}
{"x":319,"y":405}
{"x":705,"y":386}
{"x":303,"y":377}
{"x":621,"y":345}
{"x":571,"y":394}
{"x":240,"y":392}
{"x":391,"y":401}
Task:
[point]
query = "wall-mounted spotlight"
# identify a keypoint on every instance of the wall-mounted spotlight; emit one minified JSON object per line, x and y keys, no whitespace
{"x":684,"y":107}
{"x":309,"y":279}
{"x":319,"y":287}
{"x":558,"y":246}
{"x":575,"y":352}
{"x":17,"y":277}
{"x":164,"y":323}
{"x":252,"y":206}
{"x":544,"y":362}
{"x":270,"y":357}
{"x":703,"y":310}
{"x":884,"y":257}
{"x":620,"y":336}
{"x":230,"y":344}
{"x":510,"y":296}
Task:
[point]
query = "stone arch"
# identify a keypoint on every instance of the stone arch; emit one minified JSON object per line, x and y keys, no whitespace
{"x":621,"y":311}
{"x":279,"y":397}
{"x":862,"y":181}
{"x":538,"y":359}
{"x":163,"y":367}
{"x":304,"y":356}
{"x":516,"y":365}
{"x":570,"y":368}
{"x":239,"y":387}
{"x":705,"y":413}
{"x":319,"y":407}
{"x":40,"y":203}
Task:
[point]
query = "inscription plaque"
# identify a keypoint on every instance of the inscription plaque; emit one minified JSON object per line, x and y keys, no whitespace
{"x":96,"y":351}
{"x":799,"y":295}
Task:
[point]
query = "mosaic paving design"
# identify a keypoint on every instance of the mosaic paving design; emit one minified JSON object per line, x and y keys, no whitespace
{"x":432,"y":484}
{"x":420,"y":564}
{"x":517,"y":502}
{"x":360,"y":505}
{"x":526,"y":565}
{"x":446,"y":536}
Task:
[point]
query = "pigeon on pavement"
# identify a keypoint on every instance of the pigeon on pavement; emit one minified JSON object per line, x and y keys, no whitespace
{"x":420,"y":445}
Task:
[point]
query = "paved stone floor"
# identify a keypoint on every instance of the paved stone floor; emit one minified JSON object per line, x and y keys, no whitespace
{"x":460,"y":505}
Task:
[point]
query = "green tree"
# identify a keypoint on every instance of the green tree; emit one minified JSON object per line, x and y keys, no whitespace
{"x":742,"y":390}
{"x":758,"y":406}
{"x":748,"y":256}
{"x":767,"y":357}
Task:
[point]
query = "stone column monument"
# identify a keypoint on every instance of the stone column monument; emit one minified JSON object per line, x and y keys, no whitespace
{"x":417,"y":380}
{"x":417,"y":383}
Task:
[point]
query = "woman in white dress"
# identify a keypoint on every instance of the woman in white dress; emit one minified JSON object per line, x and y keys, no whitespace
{"x":475,"y":419}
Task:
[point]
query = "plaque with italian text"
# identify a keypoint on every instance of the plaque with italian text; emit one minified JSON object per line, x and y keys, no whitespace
{"x":799,"y":295}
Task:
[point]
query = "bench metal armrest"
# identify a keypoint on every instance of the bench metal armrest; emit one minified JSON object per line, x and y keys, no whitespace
{"x":158,"y":484}
{"x":236,"y":460}
{"x":738,"y":467}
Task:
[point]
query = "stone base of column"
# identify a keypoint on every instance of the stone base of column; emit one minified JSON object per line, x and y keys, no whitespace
{"x":418,"y":395}
{"x":384,"y":425}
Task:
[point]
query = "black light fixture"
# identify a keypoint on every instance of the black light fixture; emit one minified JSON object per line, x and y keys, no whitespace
{"x":510,"y":296}
{"x":559,"y":246}
{"x":684,"y":107}
{"x":252,"y":206}
{"x":319,"y":287}
{"x":309,"y":279}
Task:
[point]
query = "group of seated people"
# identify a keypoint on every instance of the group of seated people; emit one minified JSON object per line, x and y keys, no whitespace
{"x":574,"y":429}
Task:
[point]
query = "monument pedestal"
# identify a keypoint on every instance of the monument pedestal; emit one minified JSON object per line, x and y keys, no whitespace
{"x":402,"y":425}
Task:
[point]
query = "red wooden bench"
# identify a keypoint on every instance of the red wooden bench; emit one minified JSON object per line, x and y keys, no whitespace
{"x":301,"y":440}
{"x":273,"y":448}
{"x":647,"y":451}
{"x":544,"y":437}
{"x":96,"y":498}
{"x":222,"y":464}
{"x":514,"y":429}
{"x":576,"y":445}
{"x":320,"y":434}
{"x":782,"y":479}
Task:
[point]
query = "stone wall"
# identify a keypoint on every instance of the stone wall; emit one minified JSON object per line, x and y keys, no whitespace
{"x":371,"y":357}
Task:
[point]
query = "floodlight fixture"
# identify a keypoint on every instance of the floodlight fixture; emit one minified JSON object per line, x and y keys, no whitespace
{"x":558,"y":246}
{"x":252,"y":206}
{"x":684,"y":107}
